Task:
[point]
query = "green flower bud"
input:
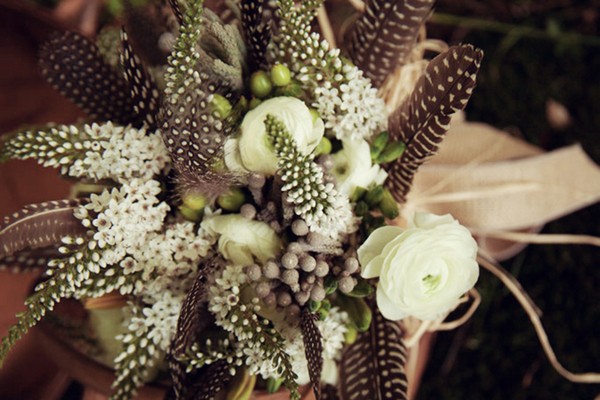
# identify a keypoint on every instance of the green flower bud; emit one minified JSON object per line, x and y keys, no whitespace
{"x":362,"y":289}
{"x":392,"y":152}
{"x":255,"y":102}
{"x":232,"y":200}
{"x":280,"y":75}
{"x":314,"y":306}
{"x":260,"y":84}
{"x":324,"y":147}
{"x":292,"y":89}
{"x":350,"y":335}
{"x":325,"y":305}
{"x":359,"y":312}
{"x":322,"y":313}
{"x":379,"y":144}
{"x":190,"y":214}
{"x":195,"y":201}
{"x":374,"y":196}
{"x":330,"y":284}
{"x":221,"y":106}
{"x":361,"y":209}
{"x":388,"y":205}
{"x":358,"y":193}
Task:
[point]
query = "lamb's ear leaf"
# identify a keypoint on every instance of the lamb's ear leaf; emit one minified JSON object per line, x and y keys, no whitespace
{"x":39,"y":225}
{"x":385,"y":34}
{"x":422,"y":121}
{"x":313,"y":345}
{"x":74,"y":66}
{"x":373,"y":366}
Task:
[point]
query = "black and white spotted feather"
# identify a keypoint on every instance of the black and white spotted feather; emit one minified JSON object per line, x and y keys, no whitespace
{"x":176,"y":10}
{"x":145,"y":26}
{"x":39,"y":225}
{"x":74,"y":66}
{"x":256,"y":30}
{"x":373,"y":367}
{"x":385,"y":34}
{"x":193,"y":134}
{"x":329,"y":392}
{"x":423,"y":119}
{"x":30,"y":259}
{"x":193,"y":318}
{"x":313,"y":345}
{"x":143,"y":90}
{"x":213,"y":379}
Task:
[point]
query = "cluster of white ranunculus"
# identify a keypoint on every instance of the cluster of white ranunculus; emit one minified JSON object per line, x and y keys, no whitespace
{"x":423,"y":269}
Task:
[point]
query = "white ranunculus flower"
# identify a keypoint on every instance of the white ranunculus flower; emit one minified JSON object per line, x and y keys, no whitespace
{"x":253,"y":151}
{"x":353,"y":167}
{"x":423,"y":269}
{"x":241,"y":240}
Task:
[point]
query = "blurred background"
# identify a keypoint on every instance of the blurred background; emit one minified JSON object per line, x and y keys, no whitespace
{"x":540,"y":81}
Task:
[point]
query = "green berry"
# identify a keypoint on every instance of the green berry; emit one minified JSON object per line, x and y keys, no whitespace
{"x":379,"y":144}
{"x":280,"y":75}
{"x":388,"y":205}
{"x":324,"y":147}
{"x":191,"y":214}
{"x":194,"y":201}
{"x":374,"y":196}
{"x":221,"y":106}
{"x":232,"y":200}
{"x":260,"y":84}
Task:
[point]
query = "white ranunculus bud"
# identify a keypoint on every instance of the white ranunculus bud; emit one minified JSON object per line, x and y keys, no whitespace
{"x":253,"y":151}
{"x":424,"y":269}
{"x":241,"y":240}
{"x":353,"y":167}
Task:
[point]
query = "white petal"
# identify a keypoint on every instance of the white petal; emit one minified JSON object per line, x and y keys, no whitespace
{"x":375,"y":243}
{"x":372,"y":269}
{"x":388,"y":309}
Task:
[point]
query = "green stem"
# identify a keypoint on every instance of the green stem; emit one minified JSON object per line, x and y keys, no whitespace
{"x":507,"y":28}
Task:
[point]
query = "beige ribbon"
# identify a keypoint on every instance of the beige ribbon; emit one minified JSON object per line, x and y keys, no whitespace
{"x":496,"y":184}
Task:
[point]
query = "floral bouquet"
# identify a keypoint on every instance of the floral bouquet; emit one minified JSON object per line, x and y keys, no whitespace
{"x":240,"y":187}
